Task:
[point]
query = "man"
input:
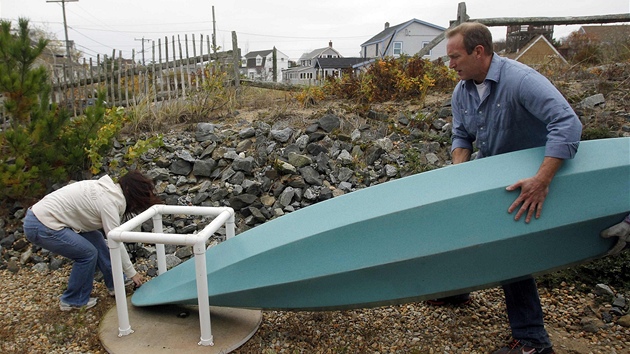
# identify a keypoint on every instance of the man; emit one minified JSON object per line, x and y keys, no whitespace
{"x":503,"y":106}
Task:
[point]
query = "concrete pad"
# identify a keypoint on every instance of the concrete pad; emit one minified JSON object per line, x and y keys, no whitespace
{"x":175,"y":329}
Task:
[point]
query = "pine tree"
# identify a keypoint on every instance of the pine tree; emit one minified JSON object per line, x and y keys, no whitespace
{"x":25,"y":87}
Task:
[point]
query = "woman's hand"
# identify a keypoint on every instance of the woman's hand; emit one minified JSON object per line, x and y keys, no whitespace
{"x":137,"y":280}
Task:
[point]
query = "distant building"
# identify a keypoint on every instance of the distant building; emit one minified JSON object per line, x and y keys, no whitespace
{"x":258,"y":65}
{"x":538,"y":52}
{"x":607,"y":34}
{"x":305,"y":73}
{"x":407,"y":38}
{"x":336,"y":67}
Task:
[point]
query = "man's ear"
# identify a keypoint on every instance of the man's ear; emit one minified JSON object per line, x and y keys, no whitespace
{"x":479,"y":51}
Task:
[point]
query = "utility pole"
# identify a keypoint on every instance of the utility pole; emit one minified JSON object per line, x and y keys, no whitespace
{"x":143,"y":40}
{"x":65,"y":28}
{"x":214,"y":33}
{"x":65,"y":25}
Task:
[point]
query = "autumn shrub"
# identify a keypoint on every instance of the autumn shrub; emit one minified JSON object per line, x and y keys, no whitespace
{"x":403,"y":78}
{"x":310,"y":96}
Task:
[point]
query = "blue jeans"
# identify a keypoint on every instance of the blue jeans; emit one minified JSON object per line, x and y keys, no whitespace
{"x":88,"y":250}
{"x":525,"y":313}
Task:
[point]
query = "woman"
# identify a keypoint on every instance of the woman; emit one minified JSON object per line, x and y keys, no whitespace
{"x":68,"y":222}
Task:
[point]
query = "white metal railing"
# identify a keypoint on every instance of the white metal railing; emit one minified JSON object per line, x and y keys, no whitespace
{"x":123,"y":233}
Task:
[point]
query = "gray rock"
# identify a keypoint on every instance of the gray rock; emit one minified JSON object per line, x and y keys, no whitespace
{"x":299,"y":160}
{"x":329,"y":122}
{"x":390,"y":170}
{"x":311,"y":176}
{"x":592,"y":101}
{"x":172,"y":261}
{"x":181,"y":167}
{"x":247,"y":133}
{"x":205,"y":131}
{"x":41,"y":267}
{"x":184,"y":252}
{"x":204,"y":168}
{"x":185,"y":155}
{"x":345,"y":158}
{"x":282,"y":135}
{"x":432,"y":158}
{"x":286,"y":197}
{"x":246,"y":164}
{"x":12,"y":266}
{"x":241,"y":201}
{"x":286,"y":168}
{"x":158,"y":174}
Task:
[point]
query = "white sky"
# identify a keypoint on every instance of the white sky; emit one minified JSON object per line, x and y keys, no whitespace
{"x":293,"y":27}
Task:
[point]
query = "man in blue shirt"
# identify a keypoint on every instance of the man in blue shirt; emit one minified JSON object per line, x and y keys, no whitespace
{"x":503,"y":106}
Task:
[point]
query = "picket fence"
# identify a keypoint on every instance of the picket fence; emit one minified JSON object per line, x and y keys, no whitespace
{"x":175,"y":69}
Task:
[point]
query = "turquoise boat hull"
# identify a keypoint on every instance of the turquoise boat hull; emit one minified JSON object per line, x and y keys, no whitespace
{"x":429,"y":235}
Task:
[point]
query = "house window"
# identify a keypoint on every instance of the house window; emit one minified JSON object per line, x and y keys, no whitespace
{"x":424,"y":44}
{"x":258,"y":61}
{"x":243,"y":62}
{"x":397,"y":49}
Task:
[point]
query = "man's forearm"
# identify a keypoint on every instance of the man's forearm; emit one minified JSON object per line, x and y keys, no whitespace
{"x":548,"y":169}
{"x":460,"y":155}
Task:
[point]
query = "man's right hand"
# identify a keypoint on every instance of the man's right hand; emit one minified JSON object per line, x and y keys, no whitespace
{"x":621,"y":230}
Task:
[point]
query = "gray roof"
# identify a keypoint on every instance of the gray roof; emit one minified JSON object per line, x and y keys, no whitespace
{"x":315,"y":53}
{"x":262,"y":53}
{"x":390,"y":31}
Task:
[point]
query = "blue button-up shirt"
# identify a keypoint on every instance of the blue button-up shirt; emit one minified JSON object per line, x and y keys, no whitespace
{"x":520,"y":109}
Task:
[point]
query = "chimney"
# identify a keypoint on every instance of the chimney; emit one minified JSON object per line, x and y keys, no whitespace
{"x":330,"y":44}
{"x":386,"y":25}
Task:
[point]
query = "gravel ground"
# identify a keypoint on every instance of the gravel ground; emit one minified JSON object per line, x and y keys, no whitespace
{"x":31,"y":322}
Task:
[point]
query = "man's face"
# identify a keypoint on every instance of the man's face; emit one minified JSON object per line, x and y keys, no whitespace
{"x":468,"y":66}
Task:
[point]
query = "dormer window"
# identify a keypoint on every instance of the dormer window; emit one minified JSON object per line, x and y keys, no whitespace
{"x":258,"y":61}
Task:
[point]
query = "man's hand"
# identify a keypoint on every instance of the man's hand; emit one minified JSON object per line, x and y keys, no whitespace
{"x":621,"y":230}
{"x":534,"y":190}
{"x":531,"y":199}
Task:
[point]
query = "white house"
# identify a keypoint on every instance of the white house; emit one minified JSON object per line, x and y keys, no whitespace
{"x":258,"y":65}
{"x":407,"y":38}
{"x":305,"y":73}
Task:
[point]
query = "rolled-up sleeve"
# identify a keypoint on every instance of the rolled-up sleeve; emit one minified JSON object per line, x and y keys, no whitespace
{"x":545,"y":102}
{"x":111,"y":220}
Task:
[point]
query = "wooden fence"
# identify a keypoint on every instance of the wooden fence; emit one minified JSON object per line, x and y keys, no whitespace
{"x":175,"y":69}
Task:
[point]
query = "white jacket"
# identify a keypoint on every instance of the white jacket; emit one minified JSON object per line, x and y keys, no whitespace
{"x":86,"y":206}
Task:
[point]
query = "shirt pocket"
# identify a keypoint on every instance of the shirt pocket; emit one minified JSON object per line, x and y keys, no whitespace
{"x":498,"y":119}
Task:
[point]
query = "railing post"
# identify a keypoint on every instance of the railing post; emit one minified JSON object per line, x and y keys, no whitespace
{"x":124,"y":328}
{"x":202,"y":294}
{"x":159,"y":247}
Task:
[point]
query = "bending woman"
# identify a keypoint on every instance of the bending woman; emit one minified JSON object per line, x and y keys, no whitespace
{"x":68,"y":222}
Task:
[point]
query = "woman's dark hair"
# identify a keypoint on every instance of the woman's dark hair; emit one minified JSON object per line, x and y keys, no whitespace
{"x":138,"y":191}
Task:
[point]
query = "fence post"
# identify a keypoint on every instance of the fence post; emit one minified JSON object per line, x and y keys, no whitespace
{"x":236,"y":62}
{"x":461,"y":13}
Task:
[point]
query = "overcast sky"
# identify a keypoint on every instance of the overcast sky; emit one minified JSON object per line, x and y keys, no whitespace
{"x":293,"y":27}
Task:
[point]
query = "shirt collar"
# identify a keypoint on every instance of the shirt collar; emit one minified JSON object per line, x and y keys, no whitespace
{"x":494,"y":72}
